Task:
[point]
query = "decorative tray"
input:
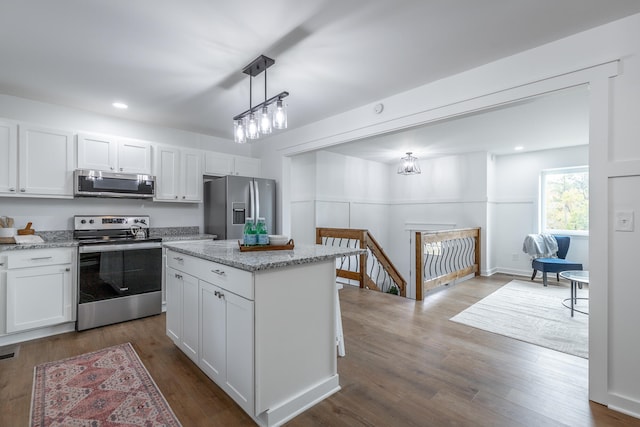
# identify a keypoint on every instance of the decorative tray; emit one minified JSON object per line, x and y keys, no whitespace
{"x":285,"y":247}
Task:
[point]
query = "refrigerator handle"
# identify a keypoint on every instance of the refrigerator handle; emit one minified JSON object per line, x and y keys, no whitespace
{"x":253,"y":201}
{"x":257,"y":202}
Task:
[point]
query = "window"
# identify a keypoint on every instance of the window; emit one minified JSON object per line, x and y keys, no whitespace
{"x":565,"y":200}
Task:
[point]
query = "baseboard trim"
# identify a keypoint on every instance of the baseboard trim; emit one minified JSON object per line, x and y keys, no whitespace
{"x":624,"y":405}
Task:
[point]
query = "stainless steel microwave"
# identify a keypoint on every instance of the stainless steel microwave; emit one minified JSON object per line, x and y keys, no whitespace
{"x":93,"y":183}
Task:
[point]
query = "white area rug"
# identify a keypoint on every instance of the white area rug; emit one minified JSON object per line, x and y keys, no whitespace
{"x":530,"y":312}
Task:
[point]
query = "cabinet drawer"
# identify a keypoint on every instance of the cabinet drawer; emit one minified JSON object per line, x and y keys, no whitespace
{"x":234,"y":280}
{"x":38,"y":257}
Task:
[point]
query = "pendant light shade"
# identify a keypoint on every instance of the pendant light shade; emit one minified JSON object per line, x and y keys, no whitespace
{"x":260,"y":119}
{"x":409,"y":165}
{"x":280,"y":115}
{"x":265,"y":121}
{"x":239,"y":131}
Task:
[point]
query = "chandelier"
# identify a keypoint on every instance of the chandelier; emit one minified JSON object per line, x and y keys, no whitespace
{"x":409,"y":165}
{"x":262,"y":118}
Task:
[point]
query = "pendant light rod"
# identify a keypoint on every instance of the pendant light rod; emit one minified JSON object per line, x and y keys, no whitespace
{"x":269,"y":101}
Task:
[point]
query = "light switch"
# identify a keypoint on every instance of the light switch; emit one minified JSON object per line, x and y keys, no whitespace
{"x":624,"y":221}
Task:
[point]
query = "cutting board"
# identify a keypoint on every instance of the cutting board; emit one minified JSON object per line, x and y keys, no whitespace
{"x":7,"y":241}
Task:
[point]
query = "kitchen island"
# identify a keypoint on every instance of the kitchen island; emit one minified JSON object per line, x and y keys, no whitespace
{"x":261,"y":325}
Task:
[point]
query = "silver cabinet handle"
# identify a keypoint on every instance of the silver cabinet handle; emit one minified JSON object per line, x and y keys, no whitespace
{"x":1,"y":264}
{"x":175,"y":197}
{"x":22,"y":190}
{"x":124,"y":289}
{"x":179,"y":259}
{"x":178,"y":276}
{"x":184,"y":197}
{"x":121,"y":169}
{"x":218,"y":294}
{"x":219,"y":272}
{"x":111,"y":168}
{"x":41,"y":257}
{"x":12,"y":189}
{"x":67,"y":269}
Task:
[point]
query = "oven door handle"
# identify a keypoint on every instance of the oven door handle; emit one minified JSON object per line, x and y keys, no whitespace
{"x":123,"y":247}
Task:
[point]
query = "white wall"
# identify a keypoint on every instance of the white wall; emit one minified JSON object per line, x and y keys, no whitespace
{"x":614,"y":155}
{"x":56,"y":214}
{"x":515,"y":205}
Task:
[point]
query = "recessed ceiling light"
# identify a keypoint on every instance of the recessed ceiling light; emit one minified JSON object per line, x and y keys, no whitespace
{"x":518,"y":148}
{"x":120,"y":105}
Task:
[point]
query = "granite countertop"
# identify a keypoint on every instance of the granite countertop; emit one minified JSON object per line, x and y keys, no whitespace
{"x":64,"y":239}
{"x":228,"y":253}
{"x":179,"y":237}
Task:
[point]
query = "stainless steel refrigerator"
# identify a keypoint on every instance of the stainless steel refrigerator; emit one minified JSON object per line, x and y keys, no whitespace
{"x":230,"y":199}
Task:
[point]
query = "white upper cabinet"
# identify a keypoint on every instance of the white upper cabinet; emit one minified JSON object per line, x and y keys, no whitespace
{"x":226,"y":164}
{"x":45,"y":166}
{"x":178,"y":175}
{"x":8,"y":156}
{"x":108,"y":153}
{"x":35,"y":161}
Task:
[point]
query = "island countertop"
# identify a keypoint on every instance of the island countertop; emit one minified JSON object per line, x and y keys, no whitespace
{"x":227,"y":252}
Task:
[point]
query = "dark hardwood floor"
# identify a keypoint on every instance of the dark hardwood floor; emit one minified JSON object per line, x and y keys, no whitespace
{"x":406,"y":365}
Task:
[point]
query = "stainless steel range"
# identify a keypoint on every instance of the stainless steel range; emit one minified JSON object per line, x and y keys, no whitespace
{"x":119,"y":270}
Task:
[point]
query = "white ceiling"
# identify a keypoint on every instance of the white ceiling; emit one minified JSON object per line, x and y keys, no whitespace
{"x":559,"y":119}
{"x":178,"y":63}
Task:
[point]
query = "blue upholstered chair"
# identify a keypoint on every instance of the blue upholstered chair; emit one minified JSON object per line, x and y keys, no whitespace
{"x":555,"y":265}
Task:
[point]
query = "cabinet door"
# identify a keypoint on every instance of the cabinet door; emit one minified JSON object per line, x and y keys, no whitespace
{"x":218,"y":164}
{"x":190,"y":317}
{"x":8,"y":157}
{"x":45,"y":161}
{"x":173,"y":284}
{"x":191,"y":176}
{"x":97,"y":152}
{"x":247,"y":166}
{"x":39,"y":296}
{"x":212,"y":332}
{"x":167,"y":173}
{"x":240,"y":350}
{"x":134,"y":156}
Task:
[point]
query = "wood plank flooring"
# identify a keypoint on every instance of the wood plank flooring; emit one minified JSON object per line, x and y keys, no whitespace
{"x":406,"y":365}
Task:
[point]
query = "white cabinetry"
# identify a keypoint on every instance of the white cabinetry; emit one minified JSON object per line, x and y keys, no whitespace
{"x":226,"y":164}
{"x":35,"y":161}
{"x":178,"y":175}
{"x":215,"y":325}
{"x":182,"y":312}
{"x":38,"y":284}
{"x":8,"y":156}
{"x":267,"y":338}
{"x":108,"y":153}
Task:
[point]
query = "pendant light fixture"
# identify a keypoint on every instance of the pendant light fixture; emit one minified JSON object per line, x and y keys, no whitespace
{"x":260,"y":119}
{"x":409,"y":165}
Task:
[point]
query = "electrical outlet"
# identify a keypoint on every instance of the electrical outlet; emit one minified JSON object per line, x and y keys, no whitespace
{"x":624,"y":220}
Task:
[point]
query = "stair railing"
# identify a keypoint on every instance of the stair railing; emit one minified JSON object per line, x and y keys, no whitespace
{"x":444,"y":256}
{"x":378,"y":273}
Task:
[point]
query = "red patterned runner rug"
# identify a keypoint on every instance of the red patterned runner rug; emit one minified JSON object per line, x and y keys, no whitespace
{"x":108,"y":387}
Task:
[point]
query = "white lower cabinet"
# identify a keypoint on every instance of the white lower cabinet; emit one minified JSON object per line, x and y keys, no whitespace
{"x":226,"y":342}
{"x":182,"y":311}
{"x":212,"y":325}
{"x":39,"y":290}
{"x":267,"y":338}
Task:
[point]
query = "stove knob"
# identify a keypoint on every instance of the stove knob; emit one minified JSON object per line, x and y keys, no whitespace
{"x":136,"y":220}
{"x":90,"y":221}
{"x":83,"y":221}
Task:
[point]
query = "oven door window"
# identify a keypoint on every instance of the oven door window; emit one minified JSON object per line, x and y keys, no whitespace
{"x":106,"y":275}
